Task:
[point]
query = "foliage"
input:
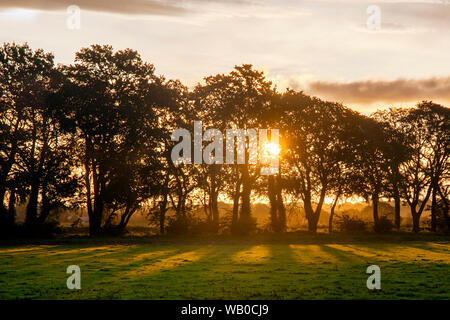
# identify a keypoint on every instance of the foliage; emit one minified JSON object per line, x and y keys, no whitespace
{"x":351,"y":224}
{"x":384,"y":225}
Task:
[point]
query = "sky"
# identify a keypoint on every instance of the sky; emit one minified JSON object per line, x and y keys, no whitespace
{"x":394,"y":54}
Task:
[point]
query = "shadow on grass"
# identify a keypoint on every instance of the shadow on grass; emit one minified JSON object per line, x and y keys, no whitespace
{"x":228,"y":271}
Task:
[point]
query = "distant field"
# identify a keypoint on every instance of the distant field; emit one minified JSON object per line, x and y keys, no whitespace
{"x":409,"y":270}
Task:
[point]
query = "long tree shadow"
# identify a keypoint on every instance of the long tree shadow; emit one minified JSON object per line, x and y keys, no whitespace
{"x":344,"y":256}
{"x":407,"y":252}
{"x":212,"y":272}
{"x":124,"y":272}
{"x":435,"y":247}
{"x":99,"y":265}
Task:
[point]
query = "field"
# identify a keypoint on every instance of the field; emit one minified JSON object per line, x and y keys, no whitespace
{"x":226,"y":270}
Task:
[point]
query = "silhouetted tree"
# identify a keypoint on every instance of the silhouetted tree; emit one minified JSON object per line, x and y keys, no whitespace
{"x":24,"y":76}
{"x":372,"y":164}
{"x":434,"y":120}
{"x":236,"y":101}
{"x":107,"y":120}
{"x":396,"y":151}
{"x":34,"y":149}
{"x":111,"y":97}
{"x":427,"y":140}
{"x":313,"y":129}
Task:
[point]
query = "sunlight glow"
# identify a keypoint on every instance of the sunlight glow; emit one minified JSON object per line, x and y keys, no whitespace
{"x":169,"y":263}
{"x":271,"y":150}
{"x":255,"y":254}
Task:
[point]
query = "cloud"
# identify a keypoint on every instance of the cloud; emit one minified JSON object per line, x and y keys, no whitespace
{"x":396,"y":91}
{"x":114,"y":6}
{"x":392,"y":29}
{"x":386,"y":1}
{"x":142,"y":7}
{"x":437,"y":13}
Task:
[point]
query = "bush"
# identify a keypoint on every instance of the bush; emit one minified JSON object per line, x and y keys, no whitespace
{"x":245,"y":226}
{"x":178,"y":225}
{"x":203,"y":228}
{"x":442,"y":218}
{"x":190,"y":224}
{"x":47,"y":229}
{"x":384,"y":225}
{"x":350,"y":224}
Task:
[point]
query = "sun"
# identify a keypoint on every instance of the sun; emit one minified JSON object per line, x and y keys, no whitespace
{"x":271,"y":150}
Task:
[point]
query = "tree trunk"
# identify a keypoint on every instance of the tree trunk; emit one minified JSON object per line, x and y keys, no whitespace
{"x":2,"y":199}
{"x":397,"y":211}
{"x":245,"y":218}
{"x":446,"y":206}
{"x":11,"y":208}
{"x":45,"y":210}
{"x":312,"y":223}
{"x":273,"y":204}
{"x":416,"y":220}
{"x":236,"y":198}
{"x":162,"y":214}
{"x":277,"y":210}
{"x":215,"y":211}
{"x":417,"y":213}
{"x":87,"y":183}
{"x":330,"y":220}
{"x":245,"y":212}
{"x":375,"y":200}
{"x":280,"y":204}
{"x":234,"y":221}
{"x":125,"y":218}
{"x":32,"y":206}
{"x":95,"y":220}
{"x":433,"y":208}
{"x":310,"y":216}
{"x":6,"y":168}
{"x":397,"y":203}
{"x":162,"y":222}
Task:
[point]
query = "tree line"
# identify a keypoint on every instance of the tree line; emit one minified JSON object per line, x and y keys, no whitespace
{"x":96,"y":134}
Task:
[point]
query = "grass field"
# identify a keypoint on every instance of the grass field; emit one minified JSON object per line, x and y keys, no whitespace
{"x":409,"y":270}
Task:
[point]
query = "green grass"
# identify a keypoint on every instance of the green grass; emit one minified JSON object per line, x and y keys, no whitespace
{"x":409,"y":270}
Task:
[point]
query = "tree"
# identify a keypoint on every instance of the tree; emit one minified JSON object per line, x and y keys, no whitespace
{"x":434,"y":119}
{"x":111,"y":98}
{"x":443,"y":205}
{"x":236,"y":101}
{"x":34,"y":159}
{"x":372,"y":164}
{"x":277,"y":208}
{"x":314,"y":132}
{"x":427,"y":139}
{"x":24,"y":75}
{"x":343,"y":184}
{"x":396,"y":151}
{"x":274,"y":185}
{"x":417,"y":152}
